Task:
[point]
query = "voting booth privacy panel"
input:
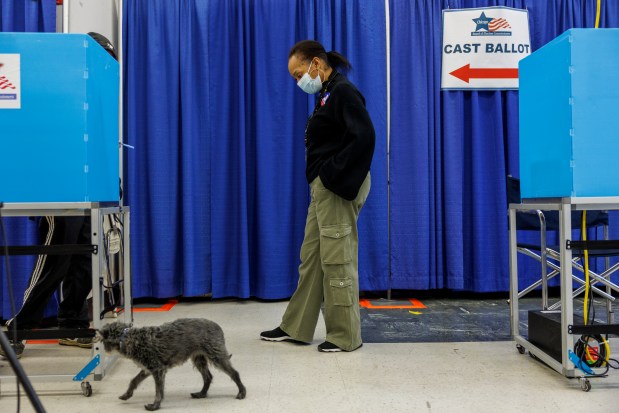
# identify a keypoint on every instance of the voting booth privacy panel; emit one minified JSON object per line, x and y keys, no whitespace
{"x":569,"y":116}
{"x":59,"y":119}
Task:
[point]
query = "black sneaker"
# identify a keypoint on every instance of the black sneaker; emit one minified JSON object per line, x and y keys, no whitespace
{"x":18,"y":347}
{"x":275,"y":335}
{"x":327,"y":347}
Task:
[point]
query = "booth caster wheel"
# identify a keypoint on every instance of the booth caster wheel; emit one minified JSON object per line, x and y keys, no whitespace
{"x":585,"y":384}
{"x":86,"y":389}
{"x":520,"y":349}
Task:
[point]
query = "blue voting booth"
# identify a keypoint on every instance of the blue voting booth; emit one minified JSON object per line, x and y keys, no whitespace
{"x":569,"y":116}
{"x":59,"y":119}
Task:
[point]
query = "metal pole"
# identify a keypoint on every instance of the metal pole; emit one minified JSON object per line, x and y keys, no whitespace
{"x":388,"y":54}
{"x":65,"y":16}
{"x":513,"y":275}
{"x":20,"y":373}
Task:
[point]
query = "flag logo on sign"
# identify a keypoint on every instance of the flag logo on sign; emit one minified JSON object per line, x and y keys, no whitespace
{"x":5,"y":83}
{"x":489,"y":26}
{"x":496,"y":24}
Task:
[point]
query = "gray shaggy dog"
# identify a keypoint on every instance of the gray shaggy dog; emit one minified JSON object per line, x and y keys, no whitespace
{"x":157,"y":349}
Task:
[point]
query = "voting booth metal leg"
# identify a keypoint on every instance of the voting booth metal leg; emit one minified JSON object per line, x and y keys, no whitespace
{"x":565,"y":366}
{"x":99,"y":269}
{"x":569,"y":329}
{"x":96,"y":229}
{"x":567,"y":302}
{"x":513,"y":279}
{"x":99,"y":362}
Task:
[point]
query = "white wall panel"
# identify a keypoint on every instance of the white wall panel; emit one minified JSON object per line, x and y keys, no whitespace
{"x":101,"y":16}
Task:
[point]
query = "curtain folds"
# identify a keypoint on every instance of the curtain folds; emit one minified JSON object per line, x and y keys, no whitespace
{"x":222,"y":209}
{"x":216,"y":181}
{"x":28,"y":16}
{"x":450,"y":151}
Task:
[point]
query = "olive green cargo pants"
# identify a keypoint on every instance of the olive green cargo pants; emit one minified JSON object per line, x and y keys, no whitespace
{"x":328,"y":270}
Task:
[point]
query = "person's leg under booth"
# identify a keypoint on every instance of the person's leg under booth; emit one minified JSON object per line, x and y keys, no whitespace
{"x":45,"y":277}
{"x":51,"y":270}
{"x":77,"y":283}
{"x":329,"y":270}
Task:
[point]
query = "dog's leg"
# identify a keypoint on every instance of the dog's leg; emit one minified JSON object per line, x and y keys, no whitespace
{"x":226,"y":366}
{"x":202,"y":366}
{"x":159,"y":376}
{"x":134,"y":384}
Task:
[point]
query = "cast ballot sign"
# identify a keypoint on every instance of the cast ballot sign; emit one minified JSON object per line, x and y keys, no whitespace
{"x":10,"y":92}
{"x":482,"y":47}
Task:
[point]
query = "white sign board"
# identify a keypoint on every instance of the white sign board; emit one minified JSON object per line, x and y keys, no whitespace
{"x":482,"y":47}
{"x":10,"y":86}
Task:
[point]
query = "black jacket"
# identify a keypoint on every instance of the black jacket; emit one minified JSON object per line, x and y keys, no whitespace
{"x":339,"y":138}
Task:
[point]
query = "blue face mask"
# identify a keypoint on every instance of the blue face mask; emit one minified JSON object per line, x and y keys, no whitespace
{"x":309,"y":85}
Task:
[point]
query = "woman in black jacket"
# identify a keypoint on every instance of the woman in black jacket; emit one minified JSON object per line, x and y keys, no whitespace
{"x":339,"y":142}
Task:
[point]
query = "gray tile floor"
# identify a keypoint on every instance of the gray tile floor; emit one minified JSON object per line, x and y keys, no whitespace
{"x":284,"y":377}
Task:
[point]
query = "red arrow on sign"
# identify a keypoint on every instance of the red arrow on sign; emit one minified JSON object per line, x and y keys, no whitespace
{"x":466,"y":73}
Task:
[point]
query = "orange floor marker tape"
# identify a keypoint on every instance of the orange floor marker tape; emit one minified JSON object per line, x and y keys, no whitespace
{"x":414,"y":303}
{"x":166,"y":307}
{"x":54,"y":341}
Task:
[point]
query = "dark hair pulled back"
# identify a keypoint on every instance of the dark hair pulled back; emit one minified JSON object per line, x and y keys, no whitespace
{"x":104,"y":42}
{"x":309,"y":49}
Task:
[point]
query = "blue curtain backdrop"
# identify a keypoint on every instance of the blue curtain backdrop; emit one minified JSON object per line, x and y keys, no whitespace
{"x":22,"y":16}
{"x":221,"y":208}
{"x":448,"y":162}
{"x":28,"y":15}
{"x":216,"y":181}
{"x":450,"y":151}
